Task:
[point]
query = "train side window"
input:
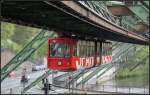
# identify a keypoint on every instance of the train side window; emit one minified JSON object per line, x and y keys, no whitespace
{"x":84,"y":50}
{"x":104,"y":52}
{"x":98,"y":49}
{"x":92,"y":51}
{"x":83,"y":45}
{"x":110,"y":48}
{"x":88,"y":49}
{"x":80,"y":50}
{"x":75,"y":50}
{"x":104,"y":49}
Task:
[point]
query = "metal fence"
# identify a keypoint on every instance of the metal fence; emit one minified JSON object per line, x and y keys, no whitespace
{"x":115,"y":89}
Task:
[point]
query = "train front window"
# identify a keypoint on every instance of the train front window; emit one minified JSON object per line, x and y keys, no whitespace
{"x":59,"y":50}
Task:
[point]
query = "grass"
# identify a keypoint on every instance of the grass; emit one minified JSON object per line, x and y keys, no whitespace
{"x":141,"y":70}
{"x":122,"y":73}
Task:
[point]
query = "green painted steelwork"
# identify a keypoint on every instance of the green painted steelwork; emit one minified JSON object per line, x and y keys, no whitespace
{"x":114,"y":3}
{"x":122,"y":52}
{"x":76,"y":77}
{"x":136,"y":65}
{"x":129,"y":57}
{"x":100,"y":8}
{"x":127,"y":22}
{"x":141,"y":12}
{"x":39,"y":79}
{"x":92,"y":74}
{"x":89,"y":76}
{"x":146,"y":4}
{"x":116,"y":46}
{"x":25,"y":53}
{"x":126,"y":50}
{"x":107,"y":68}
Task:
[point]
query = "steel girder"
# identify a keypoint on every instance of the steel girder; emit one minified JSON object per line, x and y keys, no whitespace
{"x":25,"y":53}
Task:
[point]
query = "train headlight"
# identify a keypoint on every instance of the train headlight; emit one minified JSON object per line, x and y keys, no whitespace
{"x":59,"y":62}
{"x":77,"y":62}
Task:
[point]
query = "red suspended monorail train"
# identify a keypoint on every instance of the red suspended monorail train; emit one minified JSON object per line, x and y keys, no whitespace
{"x":67,"y":54}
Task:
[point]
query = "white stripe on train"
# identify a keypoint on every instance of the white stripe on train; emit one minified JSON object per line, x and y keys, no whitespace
{"x":89,"y":61}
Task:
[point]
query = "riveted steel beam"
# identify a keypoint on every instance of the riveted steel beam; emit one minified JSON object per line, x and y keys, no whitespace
{"x":82,"y":10}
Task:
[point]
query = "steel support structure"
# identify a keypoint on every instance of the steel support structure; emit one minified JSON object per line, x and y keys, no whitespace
{"x":39,"y":79}
{"x":26,"y":52}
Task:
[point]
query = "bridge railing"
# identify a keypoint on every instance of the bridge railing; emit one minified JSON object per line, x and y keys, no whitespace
{"x":113,"y":89}
{"x":117,"y":89}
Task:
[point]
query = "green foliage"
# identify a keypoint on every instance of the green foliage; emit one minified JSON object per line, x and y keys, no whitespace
{"x":15,"y":37}
{"x":124,"y":73}
{"x":142,"y":53}
{"x":23,"y":34}
{"x":141,"y":71}
{"x":10,"y":44}
{"x":42,"y":51}
{"x":7,"y":30}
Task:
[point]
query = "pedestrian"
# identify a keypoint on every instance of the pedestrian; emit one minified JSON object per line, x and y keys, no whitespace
{"x":46,"y":86}
{"x":11,"y":91}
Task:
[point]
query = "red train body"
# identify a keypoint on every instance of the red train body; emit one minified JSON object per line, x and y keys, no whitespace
{"x":67,"y":54}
